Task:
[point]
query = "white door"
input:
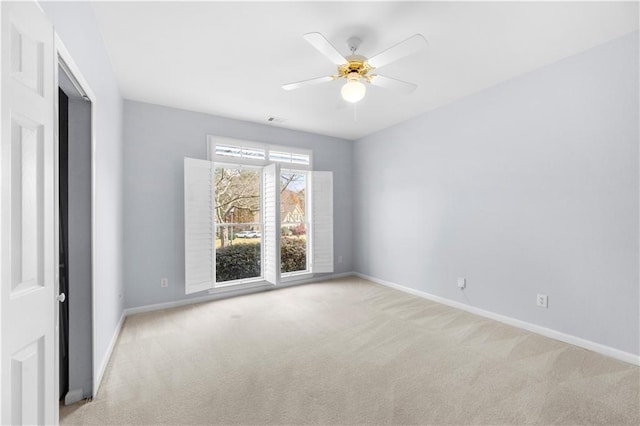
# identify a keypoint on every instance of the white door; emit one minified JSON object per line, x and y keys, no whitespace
{"x":28,"y":230}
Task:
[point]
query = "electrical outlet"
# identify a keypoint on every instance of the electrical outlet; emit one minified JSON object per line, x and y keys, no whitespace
{"x":164,"y":282}
{"x":462,"y":283}
{"x":542,"y":300}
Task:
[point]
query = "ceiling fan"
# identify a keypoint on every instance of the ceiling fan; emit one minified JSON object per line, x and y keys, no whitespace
{"x":356,"y":68}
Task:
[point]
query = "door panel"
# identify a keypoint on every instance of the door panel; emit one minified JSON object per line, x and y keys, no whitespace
{"x":27,"y":220}
{"x":26,"y":182}
{"x":26,"y":59}
{"x":27,"y":385}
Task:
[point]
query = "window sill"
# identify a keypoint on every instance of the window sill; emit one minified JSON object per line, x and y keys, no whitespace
{"x":260,"y":283}
{"x":295,"y":276}
{"x":240,"y":285}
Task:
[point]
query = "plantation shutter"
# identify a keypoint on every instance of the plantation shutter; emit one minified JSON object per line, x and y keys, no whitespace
{"x":271,"y":234}
{"x":199,"y":226}
{"x":322,"y":217}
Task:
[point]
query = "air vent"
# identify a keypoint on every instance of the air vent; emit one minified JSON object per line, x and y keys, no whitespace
{"x":275,"y":120}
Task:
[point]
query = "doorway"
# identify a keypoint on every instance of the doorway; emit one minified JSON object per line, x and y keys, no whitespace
{"x":75,"y":235}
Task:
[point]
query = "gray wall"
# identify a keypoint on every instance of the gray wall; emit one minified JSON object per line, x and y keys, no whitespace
{"x":79,"y":267}
{"x":76,"y":25}
{"x":527,"y":187}
{"x":156,"y":141}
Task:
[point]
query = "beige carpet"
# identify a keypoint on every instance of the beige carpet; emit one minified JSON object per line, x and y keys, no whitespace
{"x":349,"y":351}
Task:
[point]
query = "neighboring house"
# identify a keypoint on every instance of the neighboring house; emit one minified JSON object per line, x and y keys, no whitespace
{"x":291,"y":206}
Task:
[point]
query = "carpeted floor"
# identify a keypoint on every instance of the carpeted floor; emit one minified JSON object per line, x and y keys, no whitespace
{"x":349,"y":351}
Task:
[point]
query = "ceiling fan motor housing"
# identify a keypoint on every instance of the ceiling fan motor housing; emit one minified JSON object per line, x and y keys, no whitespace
{"x":355,"y":67}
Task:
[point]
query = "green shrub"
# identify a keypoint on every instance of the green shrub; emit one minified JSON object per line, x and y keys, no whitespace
{"x":293,"y":254}
{"x":243,"y":260}
{"x":237,"y":262}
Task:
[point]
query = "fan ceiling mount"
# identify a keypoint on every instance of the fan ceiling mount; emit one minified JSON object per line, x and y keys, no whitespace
{"x":354,"y":63}
{"x":357,"y":69}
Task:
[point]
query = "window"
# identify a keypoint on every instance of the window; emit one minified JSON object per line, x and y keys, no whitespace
{"x":238,"y":222}
{"x":247,"y":221}
{"x":226,"y":150}
{"x":293,"y":222}
{"x":290,"y":157}
{"x":251,"y":153}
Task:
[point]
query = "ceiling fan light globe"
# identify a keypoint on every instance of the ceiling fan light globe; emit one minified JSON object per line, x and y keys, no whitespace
{"x":353,"y":91}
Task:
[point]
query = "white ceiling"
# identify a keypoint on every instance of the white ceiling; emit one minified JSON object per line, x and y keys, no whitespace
{"x":230,"y":59}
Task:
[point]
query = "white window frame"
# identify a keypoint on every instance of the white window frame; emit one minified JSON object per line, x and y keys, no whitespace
{"x":240,"y":161}
{"x":311,"y":204}
{"x":284,"y":276}
{"x":213,"y":140}
{"x":308,"y":221}
{"x":233,"y":283}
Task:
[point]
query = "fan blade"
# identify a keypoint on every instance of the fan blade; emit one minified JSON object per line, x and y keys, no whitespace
{"x":292,"y":86}
{"x":323,"y":46}
{"x":393,"y":84}
{"x":400,"y":50}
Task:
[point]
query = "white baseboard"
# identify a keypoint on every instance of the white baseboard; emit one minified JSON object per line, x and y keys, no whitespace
{"x":107,"y":356}
{"x":547,"y":332}
{"x":224,"y":293}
